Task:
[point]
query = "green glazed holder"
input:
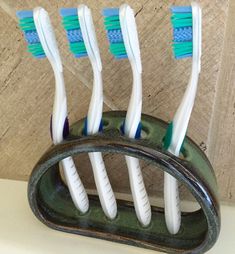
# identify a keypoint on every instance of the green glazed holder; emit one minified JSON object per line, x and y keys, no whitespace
{"x":51,"y":203}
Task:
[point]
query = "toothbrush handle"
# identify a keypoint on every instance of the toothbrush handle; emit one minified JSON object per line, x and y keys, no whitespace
{"x":76,"y":188}
{"x":140,"y":196}
{"x":105,"y":192}
{"x":172,"y":204}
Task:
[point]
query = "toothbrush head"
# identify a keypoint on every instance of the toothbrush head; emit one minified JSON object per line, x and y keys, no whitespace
{"x":114,"y":32}
{"x":182,"y":22}
{"x":71,"y":24}
{"x":27,"y":25}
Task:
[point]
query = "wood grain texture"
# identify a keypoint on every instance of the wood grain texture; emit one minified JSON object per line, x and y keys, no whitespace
{"x":222,"y":134}
{"x":27,"y":86}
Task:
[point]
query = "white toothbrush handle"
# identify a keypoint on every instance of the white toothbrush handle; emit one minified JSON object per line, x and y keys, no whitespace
{"x":104,"y":189}
{"x":94,"y":117}
{"x":140,"y":197}
{"x":180,"y":125}
{"x":49,"y":45}
{"x":133,"y":118}
{"x":172,"y":204}
{"x":76,"y":188}
{"x":105,"y":192}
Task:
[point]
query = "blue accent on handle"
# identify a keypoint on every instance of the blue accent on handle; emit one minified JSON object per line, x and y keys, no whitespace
{"x":86,"y":124}
{"x":51,"y":128}
{"x":101,"y":126}
{"x":110,"y":12}
{"x":24,"y":14}
{"x":122,"y":128}
{"x":181,"y":9}
{"x":138,"y":131}
{"x":68,"y":12}
{"x":85,"y":127}
{"x":65,"y":128}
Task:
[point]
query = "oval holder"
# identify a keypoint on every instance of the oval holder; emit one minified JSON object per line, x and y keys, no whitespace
{"x":51,"y":203}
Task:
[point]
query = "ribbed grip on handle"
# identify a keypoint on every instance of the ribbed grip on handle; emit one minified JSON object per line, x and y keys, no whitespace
{"x":140,"y":196}
{"x":104,"y":189}
{"x":75,"y":185}
{"x":172,"y":204}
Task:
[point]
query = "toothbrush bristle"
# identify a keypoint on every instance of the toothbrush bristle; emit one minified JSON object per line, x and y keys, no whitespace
{"x":71,"y":24}
{"x":181,"y":20}
{"x":114,"y":33}
{"x":27,"y":25}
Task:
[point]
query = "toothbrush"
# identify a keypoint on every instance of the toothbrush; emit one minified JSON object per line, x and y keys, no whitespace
{"x":122,"y":35}
{"x":41,"y":41}
{"x":81,"y":35}
{"x":186,"y":23}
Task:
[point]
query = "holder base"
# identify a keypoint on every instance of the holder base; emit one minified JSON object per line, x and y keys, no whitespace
{"x":50,"y":200}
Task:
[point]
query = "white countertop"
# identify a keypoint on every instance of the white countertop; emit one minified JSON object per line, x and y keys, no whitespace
{"x":21,"y":232}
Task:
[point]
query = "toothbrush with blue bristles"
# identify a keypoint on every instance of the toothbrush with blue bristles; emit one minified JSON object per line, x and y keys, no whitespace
{"x":186,"y":21}
{"x":122,"y":35}
{"x":41,"y":41}
{"x":81,"y":35}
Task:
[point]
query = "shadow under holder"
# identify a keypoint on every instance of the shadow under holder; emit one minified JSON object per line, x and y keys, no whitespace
{"x":51,"y":203}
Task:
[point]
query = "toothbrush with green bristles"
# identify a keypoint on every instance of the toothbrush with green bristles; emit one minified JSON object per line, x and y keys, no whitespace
{"x":81,"y":35}
{"x":186,"y":22}
{"x":41,"y":40}
{"x":123,"y":37}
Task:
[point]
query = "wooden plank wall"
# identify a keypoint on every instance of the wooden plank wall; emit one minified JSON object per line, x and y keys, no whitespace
{"x":27,"y":85}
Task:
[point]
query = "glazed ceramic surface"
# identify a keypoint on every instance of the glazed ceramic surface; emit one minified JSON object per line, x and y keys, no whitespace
{"x":51,"y":203}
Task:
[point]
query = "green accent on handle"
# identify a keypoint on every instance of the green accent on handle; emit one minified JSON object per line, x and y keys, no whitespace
{"x":168,"y":136}
{"x":182,"y":149}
